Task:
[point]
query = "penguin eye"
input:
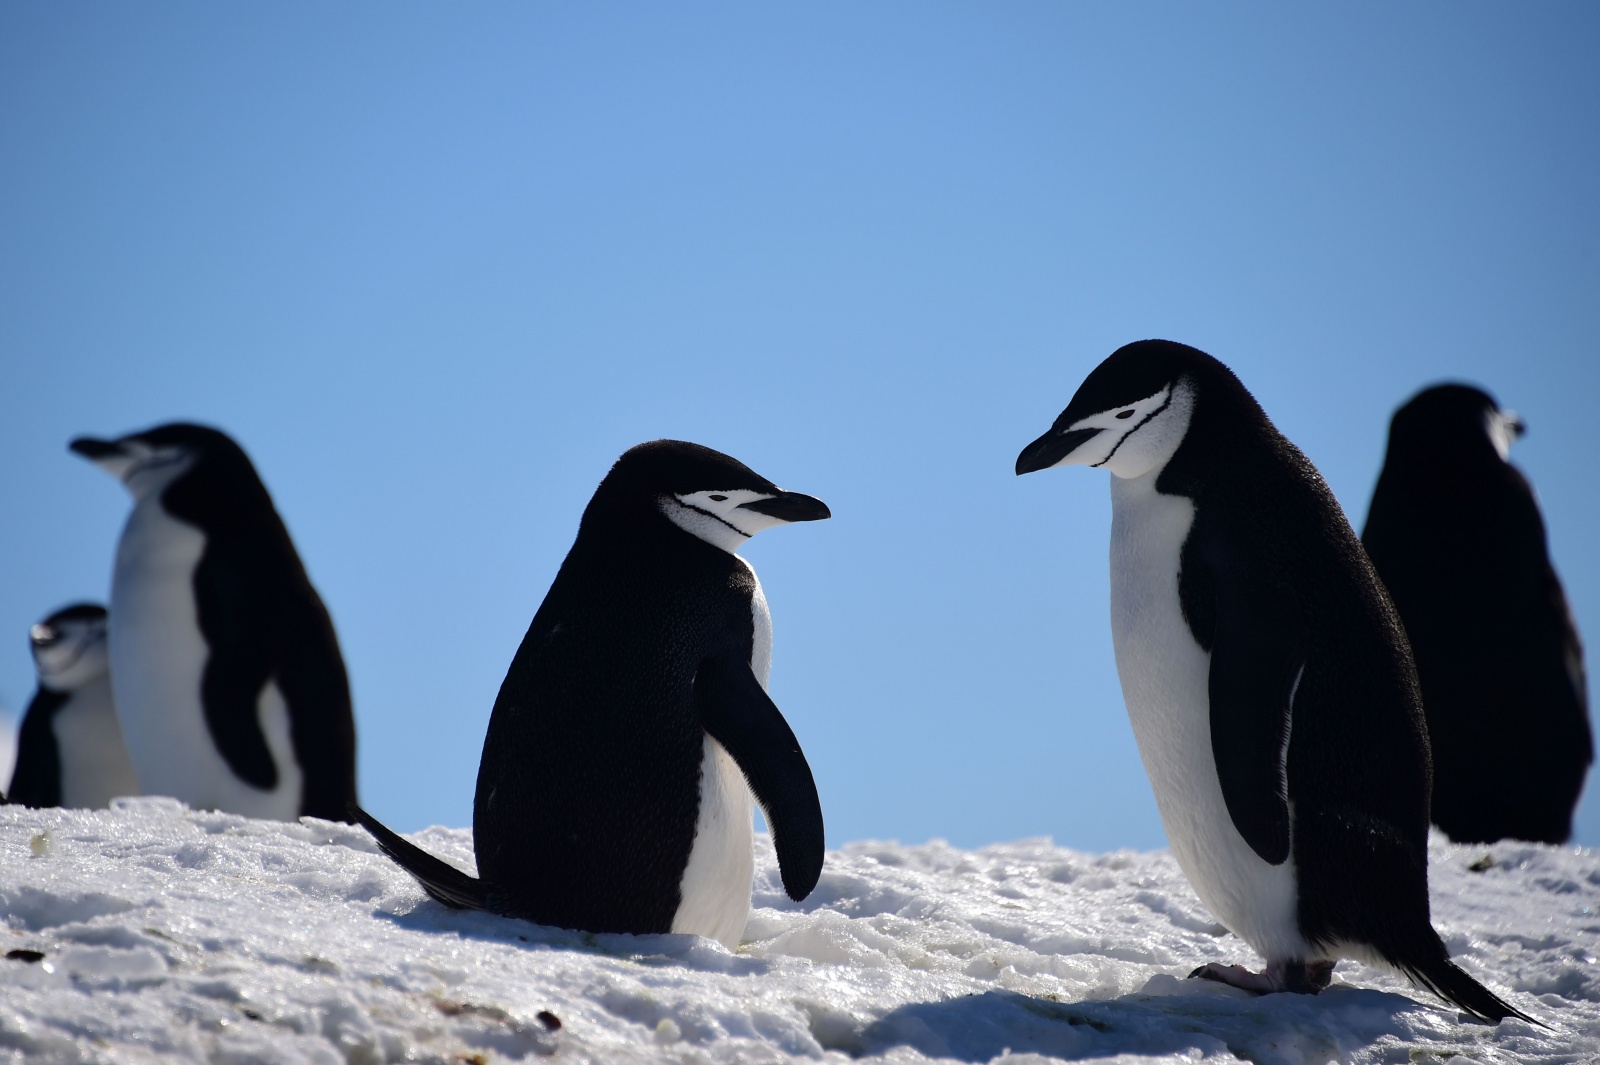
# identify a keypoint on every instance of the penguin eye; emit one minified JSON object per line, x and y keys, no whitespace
{"x":717,"y":498}
{"x":1125,"y":414}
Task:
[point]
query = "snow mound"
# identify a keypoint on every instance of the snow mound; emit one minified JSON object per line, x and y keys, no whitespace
{"x":151,"y":932}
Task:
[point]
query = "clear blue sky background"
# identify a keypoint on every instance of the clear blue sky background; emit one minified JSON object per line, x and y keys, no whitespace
{"x":436,"y":266}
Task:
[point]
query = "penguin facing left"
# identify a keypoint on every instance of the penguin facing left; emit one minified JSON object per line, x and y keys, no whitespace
{"x":70,"y":750}
{"x":614,"y":793}
{"x":1455,"y":532}
{"x":226,"y":672}
{"x":1267,"y":678}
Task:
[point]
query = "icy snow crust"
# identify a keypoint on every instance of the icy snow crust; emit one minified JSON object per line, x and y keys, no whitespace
{"x":174,"y":935}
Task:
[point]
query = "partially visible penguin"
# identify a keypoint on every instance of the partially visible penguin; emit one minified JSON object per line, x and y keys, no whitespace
{"x":228,"y":679}
{"x":1266,"y":676}
{"x":1455,"y":533}
{"x":70,"y":750}
{"x":614,"y":793}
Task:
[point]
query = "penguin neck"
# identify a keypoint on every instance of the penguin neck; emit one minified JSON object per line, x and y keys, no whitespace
{"x":637,"y":535}
{"x":1227,"y":441}
{"x":222,"y":494}
{"x":1443,"y":464}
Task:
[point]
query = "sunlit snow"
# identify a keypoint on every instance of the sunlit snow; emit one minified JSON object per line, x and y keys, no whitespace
{"x":155,"y":933}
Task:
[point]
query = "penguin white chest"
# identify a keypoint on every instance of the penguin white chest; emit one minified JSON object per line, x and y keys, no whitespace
{"x":94,"y":759}
{"x":158,"y":658}
{"x":1165,"y":678}
{"x":715,"y":888}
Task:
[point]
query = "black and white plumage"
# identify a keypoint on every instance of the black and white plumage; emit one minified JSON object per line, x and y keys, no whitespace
{"x":1266,"y":676}
{"x":1455,"y":532}
{"x":70,"y":750}
{"x":614,"y":794}
{"x":227,"y":674}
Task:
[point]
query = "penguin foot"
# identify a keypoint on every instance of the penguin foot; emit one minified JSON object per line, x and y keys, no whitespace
{"x":1298,"y":977}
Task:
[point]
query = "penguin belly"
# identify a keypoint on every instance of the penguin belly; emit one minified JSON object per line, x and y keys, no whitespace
{"x":716,"y":883}
{"x":1165,"y":678}
{"x":715,"y":889}
{"x":94,"y":760}
{"x":158,"y":656}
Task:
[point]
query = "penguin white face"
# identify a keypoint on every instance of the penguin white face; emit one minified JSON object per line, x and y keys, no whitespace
{"x":709,"y":495}
{"x":69,"y":648}
{"x":1129,"y":439}
{"x":144,"y":467}
{"x":1504,"y":427}
{"x":726,"y":518}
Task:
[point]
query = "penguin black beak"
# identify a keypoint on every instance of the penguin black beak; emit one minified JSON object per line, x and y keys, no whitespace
{"x":94,"y":450}
{"x":790,"y":506}
{"x":1051,"y":448}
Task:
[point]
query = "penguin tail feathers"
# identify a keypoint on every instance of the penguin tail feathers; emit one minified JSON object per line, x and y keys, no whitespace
{"x":443,"y":882}
{"x":1453,"y":984}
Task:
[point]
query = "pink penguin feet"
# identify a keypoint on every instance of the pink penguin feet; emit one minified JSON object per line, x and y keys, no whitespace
{"x":1299,"y":977}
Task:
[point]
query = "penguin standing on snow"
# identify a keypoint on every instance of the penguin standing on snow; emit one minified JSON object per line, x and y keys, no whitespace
{"x":1267,"y":678}
{"x":614,"y":794}
{"x":70,"y":750}
{"x":1455,"y":533}
{"x":228,"y":679}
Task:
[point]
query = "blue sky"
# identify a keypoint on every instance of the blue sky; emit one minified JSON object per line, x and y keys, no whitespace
{"x":435,"y":267}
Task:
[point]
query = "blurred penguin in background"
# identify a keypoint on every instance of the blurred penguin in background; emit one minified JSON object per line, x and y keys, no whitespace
{"x":1455,"y":532}
{"x":70,"y":750}
{"x":227,"y":675}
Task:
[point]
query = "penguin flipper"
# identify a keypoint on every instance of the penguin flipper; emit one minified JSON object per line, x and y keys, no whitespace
{"x":736,"y":712}
{"x":443,"y":882}
{"x":230,"y":608}
{"x":1257,"y":657}
{"x":36,"y":779}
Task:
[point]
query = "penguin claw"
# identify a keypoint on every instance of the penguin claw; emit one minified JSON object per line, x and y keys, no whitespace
{"x":1301,"y":978}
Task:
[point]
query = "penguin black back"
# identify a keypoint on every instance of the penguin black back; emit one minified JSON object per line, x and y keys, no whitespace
{"x":1455,"y":532}
{"x":36,"y":777}
{"x":287,"y":635}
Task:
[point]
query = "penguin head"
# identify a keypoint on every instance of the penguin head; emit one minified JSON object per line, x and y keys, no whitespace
{"x":705,"y":493}
{"x":69,"y":647}
{"x":1130,"y":414}
{"x":1451,"y":422}
{"x":147,"y":462}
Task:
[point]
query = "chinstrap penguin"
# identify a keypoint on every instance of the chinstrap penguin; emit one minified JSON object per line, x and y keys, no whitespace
{"x":1266,"y":676}
{"x":614,"y":793}
{"x":228,"y":679}
{"x":1454,"y":530}
{"x":70,"y":750}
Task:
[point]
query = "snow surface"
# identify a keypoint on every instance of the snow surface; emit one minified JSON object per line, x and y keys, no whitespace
{"x":174,"y":935}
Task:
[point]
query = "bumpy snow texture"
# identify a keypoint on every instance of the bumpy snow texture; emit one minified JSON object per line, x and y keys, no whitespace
{"x":151,"y":932}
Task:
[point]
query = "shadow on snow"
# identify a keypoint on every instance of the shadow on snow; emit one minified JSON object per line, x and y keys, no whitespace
{"x":1271,"y":1029}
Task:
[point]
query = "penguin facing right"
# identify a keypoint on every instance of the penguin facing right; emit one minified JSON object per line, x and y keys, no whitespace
{"x":70,"y":750}
{"x":614,"y":793}
{"x":227,"y":674}
{"x":1266,"y":675}
{"x":1454,"y":530}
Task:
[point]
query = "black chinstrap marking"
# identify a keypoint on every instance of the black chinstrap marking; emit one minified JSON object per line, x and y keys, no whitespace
{"x":713,"y":517}
{"x":1142,"y":423}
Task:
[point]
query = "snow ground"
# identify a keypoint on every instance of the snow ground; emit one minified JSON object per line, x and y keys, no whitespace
{"x":174,"y":935}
